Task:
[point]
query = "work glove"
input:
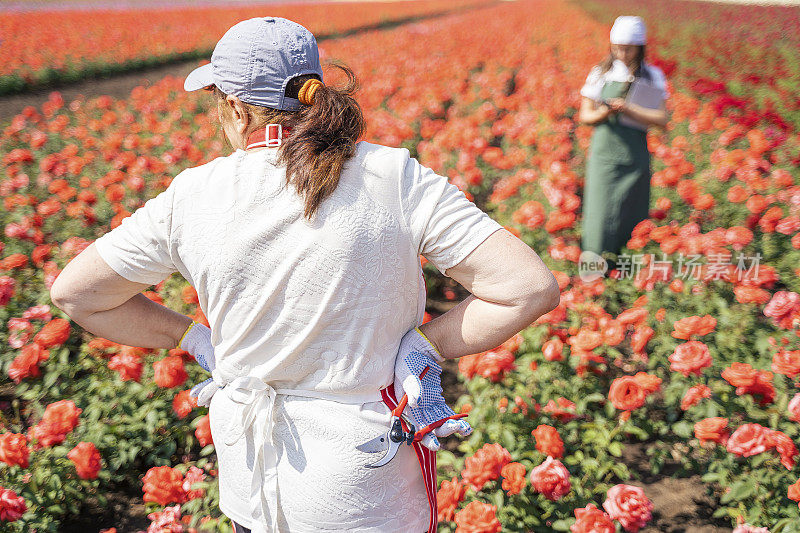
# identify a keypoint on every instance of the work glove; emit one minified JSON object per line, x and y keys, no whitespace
{"x":426,"y":404}
{"x":197,"y":341}
{"x":204,"y":391}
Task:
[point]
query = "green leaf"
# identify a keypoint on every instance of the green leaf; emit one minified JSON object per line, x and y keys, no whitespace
{"x":739,"y":491}
{"x":683,"y":429}
{"x":615,"y":449}
{"x":562,"y":525}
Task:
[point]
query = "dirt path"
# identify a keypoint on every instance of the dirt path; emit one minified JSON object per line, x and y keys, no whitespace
{"x":680,"y":504}
{"x":118,"y":86}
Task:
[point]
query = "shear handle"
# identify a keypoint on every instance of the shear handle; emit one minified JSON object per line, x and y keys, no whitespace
{"x":430,"y":427}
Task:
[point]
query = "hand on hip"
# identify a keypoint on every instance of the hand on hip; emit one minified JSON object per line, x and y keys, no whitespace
{"x":426,"y":404}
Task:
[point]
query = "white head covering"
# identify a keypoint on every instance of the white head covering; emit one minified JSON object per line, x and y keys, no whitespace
{"x":628,"y":30}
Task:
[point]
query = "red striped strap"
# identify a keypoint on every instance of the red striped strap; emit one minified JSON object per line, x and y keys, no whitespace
{"x":272,"y":135}
{"x":426,"y":458}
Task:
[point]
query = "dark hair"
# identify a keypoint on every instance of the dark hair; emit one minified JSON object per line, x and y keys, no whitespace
{"x":639,"y":72}
{"x":323,"y":137}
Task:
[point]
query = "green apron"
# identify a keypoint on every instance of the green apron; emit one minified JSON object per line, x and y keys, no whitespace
{"x":616,"y":193}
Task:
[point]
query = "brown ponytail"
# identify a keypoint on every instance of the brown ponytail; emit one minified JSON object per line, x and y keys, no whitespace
{"x":322,"y":139}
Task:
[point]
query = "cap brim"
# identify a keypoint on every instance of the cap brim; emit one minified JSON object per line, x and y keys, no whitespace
{"x":198,"y":78}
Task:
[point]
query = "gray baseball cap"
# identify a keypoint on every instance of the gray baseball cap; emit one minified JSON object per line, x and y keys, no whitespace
{"x":256,"y":58}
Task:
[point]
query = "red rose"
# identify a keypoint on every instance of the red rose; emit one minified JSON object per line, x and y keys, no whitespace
{"x":629,"y":506}
{"x":548,"y":441}
{"x":648,"y":382}
{"x":762,"y":388}
{"x":14,"y":449}
{"x":163,"y":485}
{"x":694,"y":325}
{"x":86,"y":459}
{"x":530,"y":214}
{"x":12,"y":507}
{"x":794,"y":492}
{"x":128,"y":365}
{"x":513,"y":477}
{"x":59,"y":419}
{"x":183,"y":404}
{"x":26,"y":364}
{"x":613,"y":333}
{"x":786,"y":362}
{"x":193,"y":475}
{"x":590,"y":519}
{"x":694,"y":395}
{"x":783,"y":308}
{"x":467,"y":365}
{"x":551,"y":478}
{"x":494,"y":364}
{"x":641,"y":336}
{"x":746,"y":294}
{"x":712,"y":430}
{"x":169,"y":372}
{"x":477,"y":517}
{"x":54,"y":333}
{"x":485,"y":465}
{"x":448,"y":497}
{"x":794,"y":408}
{"x":7,"y":285}
{"x":562,"y":409}
{"x":626,"y":394}
{"x":690,"y":358}
{"x":785,"y":447}
{"x":739,"y":375}
{"x":189,"y":295}
{"x":748,"y":439}
{"x":203,"y":431}
{"x":748,"y":380}
{"x":637,"y":315}
{"x":553,"y":349}
{"x":586,"y":340}
{"x":13,"y":261}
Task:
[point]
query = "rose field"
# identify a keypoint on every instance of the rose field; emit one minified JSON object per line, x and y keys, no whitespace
{"x":105,"y":41}
{"x":678,"y":371}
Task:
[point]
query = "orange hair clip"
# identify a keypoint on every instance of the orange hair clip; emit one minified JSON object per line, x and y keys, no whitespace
{"x":306,"y":93}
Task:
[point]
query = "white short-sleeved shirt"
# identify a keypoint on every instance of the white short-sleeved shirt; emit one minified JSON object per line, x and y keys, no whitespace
{"x":319,"y":305}
{"x":619,"y":72}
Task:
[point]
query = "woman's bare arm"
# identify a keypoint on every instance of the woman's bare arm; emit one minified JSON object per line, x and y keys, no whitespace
{"x":651,"y":117}
{"x":511,"y":287}
{"x":591,"y":113}
{"x":110,"y":306}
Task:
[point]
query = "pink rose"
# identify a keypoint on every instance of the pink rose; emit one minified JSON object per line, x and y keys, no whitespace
{"x":794,"y":408}
{"x":748,"y":440}
{"x":551,"y":478}
{"x":12,"y":507}
{"x":747,"y":528}
{"x":629,"y":506}
{"x":20,"y":331}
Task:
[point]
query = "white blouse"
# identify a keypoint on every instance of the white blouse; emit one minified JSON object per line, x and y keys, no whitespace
{"x":299,"y":309}
{"x":619,"y":72}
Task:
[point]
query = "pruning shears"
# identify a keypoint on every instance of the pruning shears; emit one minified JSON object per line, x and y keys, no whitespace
{"x":391,"y":441}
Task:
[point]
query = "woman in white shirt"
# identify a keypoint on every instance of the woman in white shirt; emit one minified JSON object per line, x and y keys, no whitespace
{"x":303,"y":246}
{"x":616,"y":193}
